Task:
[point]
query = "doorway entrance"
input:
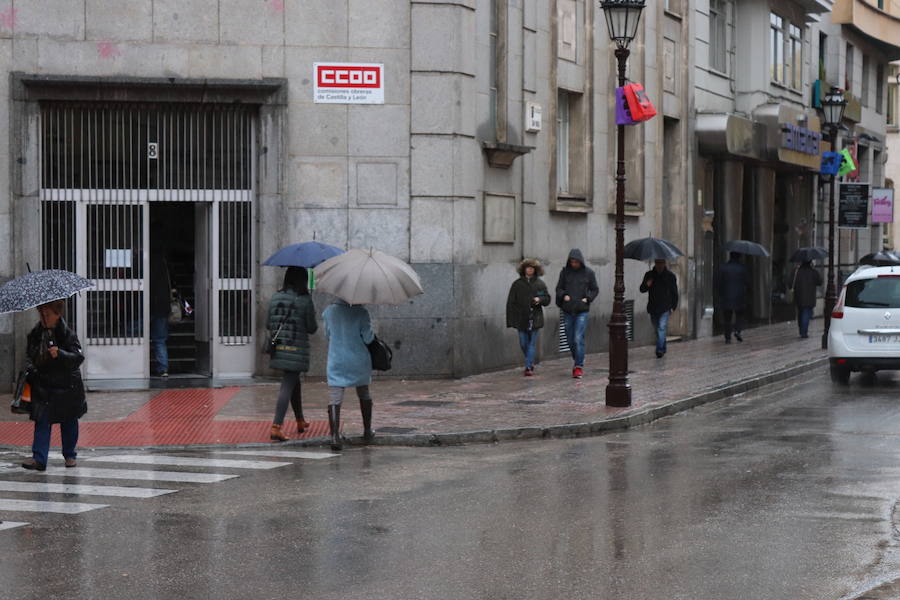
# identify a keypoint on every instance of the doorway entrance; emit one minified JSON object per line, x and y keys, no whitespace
{"x":122,"y":182}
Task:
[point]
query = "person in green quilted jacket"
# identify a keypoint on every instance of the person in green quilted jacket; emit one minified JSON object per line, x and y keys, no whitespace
{"x":292,"y":319}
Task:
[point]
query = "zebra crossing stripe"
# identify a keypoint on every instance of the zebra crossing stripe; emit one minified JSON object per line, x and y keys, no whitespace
{"x":66,"y":508}
{"x":11,"y":524}
{"x":281,"y":453}
{"x":136,"y":474}
{"x":185,"y":461}
{"x":82,"y":490}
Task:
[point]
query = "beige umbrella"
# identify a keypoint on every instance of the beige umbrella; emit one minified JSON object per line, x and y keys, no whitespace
{"x":368,"y":277}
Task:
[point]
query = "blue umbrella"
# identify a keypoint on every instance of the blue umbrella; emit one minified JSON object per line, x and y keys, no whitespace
{"x":304,"y":254}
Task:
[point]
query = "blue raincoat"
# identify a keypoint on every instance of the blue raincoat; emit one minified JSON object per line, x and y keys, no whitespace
{"x":348,"y":329}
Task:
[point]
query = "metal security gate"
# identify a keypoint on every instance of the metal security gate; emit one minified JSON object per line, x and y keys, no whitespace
{"x":104,"y":166}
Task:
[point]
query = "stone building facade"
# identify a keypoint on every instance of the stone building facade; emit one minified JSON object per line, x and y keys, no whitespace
{"x":194,"y":124}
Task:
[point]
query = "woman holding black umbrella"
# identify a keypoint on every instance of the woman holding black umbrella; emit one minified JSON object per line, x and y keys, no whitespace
{"x":292,"y":319}
{"x":57,"y":392}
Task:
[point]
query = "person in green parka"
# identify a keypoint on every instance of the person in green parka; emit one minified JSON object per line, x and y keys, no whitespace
{"x":525,"y":308}
{"x":292,"y":319}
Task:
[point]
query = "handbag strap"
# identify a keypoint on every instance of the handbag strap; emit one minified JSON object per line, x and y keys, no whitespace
{"x":283,"y":321}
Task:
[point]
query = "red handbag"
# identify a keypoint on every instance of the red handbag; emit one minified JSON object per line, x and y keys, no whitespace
{"x":639,"y":104}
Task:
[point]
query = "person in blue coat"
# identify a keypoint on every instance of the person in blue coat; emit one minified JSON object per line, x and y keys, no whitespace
{"x":348,"y":329}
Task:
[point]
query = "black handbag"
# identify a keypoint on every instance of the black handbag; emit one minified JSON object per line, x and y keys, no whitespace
{"x":381,"y":354}
{"x":21,"y":402}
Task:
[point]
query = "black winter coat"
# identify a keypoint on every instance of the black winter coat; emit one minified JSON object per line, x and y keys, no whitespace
{"x":521,"y":312}
{"x":734,"y":286}
{"x":663,"y":294}
{"x":576,"y":284}
{"x":804,"y":283}
{"x":296,"y":316}
{"x":56,"y":386}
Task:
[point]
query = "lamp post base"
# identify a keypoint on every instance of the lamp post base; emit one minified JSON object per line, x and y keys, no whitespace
{"x":618,"y":395}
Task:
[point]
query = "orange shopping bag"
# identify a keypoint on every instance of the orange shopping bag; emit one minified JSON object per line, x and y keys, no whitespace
{"x":639,"y":104}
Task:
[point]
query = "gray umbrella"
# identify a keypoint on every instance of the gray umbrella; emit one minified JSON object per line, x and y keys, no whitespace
{"x":40,"y":287}
{"x":746,"y":247}
{"x":652,"y":249}
{"x":808,"y":254}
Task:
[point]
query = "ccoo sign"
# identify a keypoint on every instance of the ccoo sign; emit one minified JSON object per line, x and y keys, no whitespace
{"x":348,"y":83}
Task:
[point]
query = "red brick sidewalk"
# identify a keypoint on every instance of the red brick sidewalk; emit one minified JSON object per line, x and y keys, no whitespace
{"x":490,"y":401}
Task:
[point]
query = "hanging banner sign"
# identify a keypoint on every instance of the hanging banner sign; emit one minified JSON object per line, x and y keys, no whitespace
{"x":853,"y":206}
{"x":348,"y":83}
{"x":882,"y":205}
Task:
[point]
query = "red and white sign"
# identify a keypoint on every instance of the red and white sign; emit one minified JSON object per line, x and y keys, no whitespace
{"x":348,"y":83}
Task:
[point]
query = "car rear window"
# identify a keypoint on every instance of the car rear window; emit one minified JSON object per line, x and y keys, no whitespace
{"x":881,"y":292}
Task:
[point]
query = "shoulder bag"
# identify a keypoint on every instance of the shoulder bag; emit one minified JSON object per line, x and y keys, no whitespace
{"x":21,"y":402}
{"x":271,"y":341}
{"x":380,"y":353}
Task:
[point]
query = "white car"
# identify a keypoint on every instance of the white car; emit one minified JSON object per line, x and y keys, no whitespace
{"x":865,"y":325}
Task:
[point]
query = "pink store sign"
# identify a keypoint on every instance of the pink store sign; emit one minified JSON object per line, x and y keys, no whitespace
{"x":882,"y":205}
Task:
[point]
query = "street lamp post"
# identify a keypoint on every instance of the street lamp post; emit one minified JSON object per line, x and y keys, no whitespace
{"x":833,"y":106}
{"x":622,"y":18}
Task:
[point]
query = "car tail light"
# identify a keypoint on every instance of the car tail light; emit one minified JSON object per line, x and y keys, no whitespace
{"x":838,"y":312}
{"x":842,"y":361}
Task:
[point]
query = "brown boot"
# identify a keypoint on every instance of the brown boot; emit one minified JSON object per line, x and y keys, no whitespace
{"x":277,"y":434}
{"x":302,"y":425}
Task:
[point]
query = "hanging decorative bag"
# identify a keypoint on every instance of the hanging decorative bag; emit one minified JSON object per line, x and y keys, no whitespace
{"x":639,"y":104}
{"x":831,"y":162}
{"x":623,"y":115}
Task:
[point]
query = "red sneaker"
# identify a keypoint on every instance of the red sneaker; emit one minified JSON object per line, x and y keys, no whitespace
{"x":529,"y":372}
{"x":577,"y":372}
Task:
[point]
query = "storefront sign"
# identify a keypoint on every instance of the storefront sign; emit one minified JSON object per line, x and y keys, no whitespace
{"x":853,"y":206}
{"x":882,"y":205}
{"x":800,"y":139}
{"x":348,"y":83}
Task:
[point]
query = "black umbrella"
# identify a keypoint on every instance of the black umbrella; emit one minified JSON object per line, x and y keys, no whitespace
{"x":882,"y":258}
{"x":809,"y":254}
{"x":40,"y":287}
{"x":652,"y":249}
{"x":746,"y":247}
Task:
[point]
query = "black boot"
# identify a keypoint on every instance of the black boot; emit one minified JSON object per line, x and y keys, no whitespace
{"x":365,"y":407}
{"x":334,"y":422}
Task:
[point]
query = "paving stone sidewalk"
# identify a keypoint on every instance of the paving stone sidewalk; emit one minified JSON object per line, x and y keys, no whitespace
{"x":491,"y":406}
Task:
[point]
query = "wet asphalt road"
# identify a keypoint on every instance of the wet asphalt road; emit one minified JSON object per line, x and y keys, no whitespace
{"x":789,"y":493}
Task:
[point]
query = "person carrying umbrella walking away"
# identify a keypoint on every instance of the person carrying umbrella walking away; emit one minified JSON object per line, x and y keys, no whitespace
{"x":349,"y":330}
{"x":292,"y":319}
{"x":524,"y":308}
{"x":734,"y":287}
{"x":53,"y":354}
{"x":575,"y":290}
{"x":804,"y":284}
{"x":661,"y":288}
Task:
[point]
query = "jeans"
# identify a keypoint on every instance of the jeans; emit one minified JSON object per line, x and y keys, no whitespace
{"x":289,"y":382}
{"x":804,"y":314}
{"x":40,"y":447}
{"x":732,"y":316}
{"x":159,"y":333}
{"x":661,"y":323}
{"x":528,"y":343}
{"x":575,"y":327}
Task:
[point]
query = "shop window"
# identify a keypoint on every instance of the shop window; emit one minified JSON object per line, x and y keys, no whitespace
{"x":717,"y":36}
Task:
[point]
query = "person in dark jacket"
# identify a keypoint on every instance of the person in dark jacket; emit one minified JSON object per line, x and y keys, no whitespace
{"x":662,"y":298}
{"x":734,"y":287}
{"x":525,"y":304}
{"x":292,"y":319}
{"x":804,"y":284}
{"x":575,"y":290}
{"x":160,"y":305}
{"x":53,"y":352}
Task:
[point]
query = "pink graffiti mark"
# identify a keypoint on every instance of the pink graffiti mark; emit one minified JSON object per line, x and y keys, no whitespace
{"x":108,"y":50}
{"x":277,"y":5}
{"x":8,"y":18}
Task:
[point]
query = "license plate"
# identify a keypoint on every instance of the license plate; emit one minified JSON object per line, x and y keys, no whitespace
{"x":884,"y":339}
